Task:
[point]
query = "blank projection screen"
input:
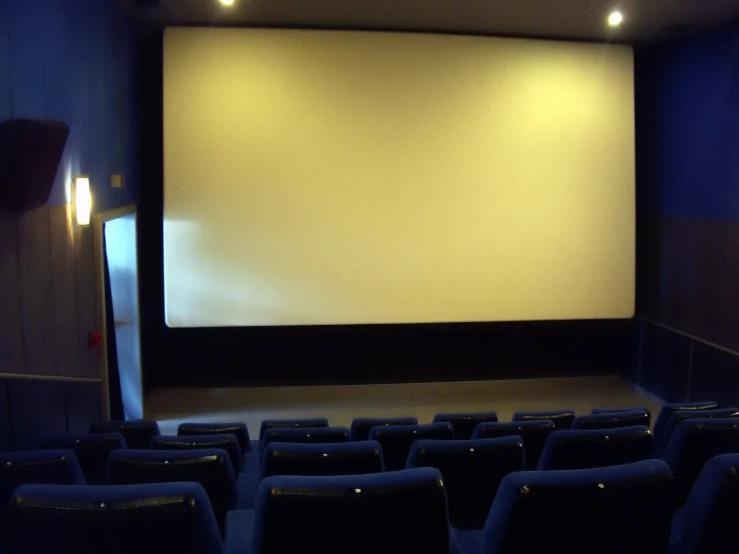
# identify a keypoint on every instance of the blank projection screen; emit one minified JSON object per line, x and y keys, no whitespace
{"x":331,"y":177}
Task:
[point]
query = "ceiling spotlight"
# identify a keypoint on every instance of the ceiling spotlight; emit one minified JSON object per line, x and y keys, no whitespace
{"x":615,"y":19}
{"x":227,"y":2}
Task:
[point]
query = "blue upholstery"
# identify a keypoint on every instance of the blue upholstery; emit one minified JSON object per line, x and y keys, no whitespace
{"x":50,"y":467}
{"x":661,"y":441}
{"x":668,"y":409}
{"x":464,"y":424}
{"x":211,"y":468}
{"x":709,"y":521}
{"x":633,"y":409}
{"x":562,"y":419}
{"x":137,"y":433}
{"x":236,"y":429}
{"x":229,"y":443}
{"x":693,"y":443}
{"x":389,"y":513}
{"x":611,"y":510}
{"x":361,"y":426}
{"x":91,"y":449}
{"x":396,"y":440}
{"x":308,"y":422}
{"x":534,"y":434}
{"x":611,"y":420}
{"x":305,"y":435}
{"x":170,"y":518}
{"x":472,"y":471}
{"x":581,"y":449}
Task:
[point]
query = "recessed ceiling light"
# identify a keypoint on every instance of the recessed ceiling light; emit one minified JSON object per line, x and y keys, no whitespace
{"x":227,"y":2}
{"x":615,"y":19}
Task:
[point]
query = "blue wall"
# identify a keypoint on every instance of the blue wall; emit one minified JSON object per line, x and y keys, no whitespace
{"x":74,"y":61}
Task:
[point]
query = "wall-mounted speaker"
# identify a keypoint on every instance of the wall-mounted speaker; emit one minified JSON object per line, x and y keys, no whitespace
{"x":30,"y":151}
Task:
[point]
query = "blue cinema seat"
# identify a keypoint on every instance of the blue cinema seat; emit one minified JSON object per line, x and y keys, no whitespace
{"x":709,"y":522}
{"x":534,"y":434}
{"x":581,"y":449}
{"x":396,"y":440}
{"x":305,"y":435}
{"x":668,"y":409}
{"x":163,"y":518}
{"x":211,"y":468}
{"x":361,"y":426}
{"x":632,"y":409}
{"x":661,"y":441}
{"x":610,"y":510}
{"x":137,"y":433}
{"x":306,"y":422}
{"x":239,"y":430}
{"x":390,"y":513}
{"x":562,"y":419}
{"x":464,"y":423}
{"x":611,"y":420}
{"x":49,"y":467}
{"x":472,"y":471}
{"x":693,"y":443}
{"x":92,"y":450}
{"x":228,"y":442}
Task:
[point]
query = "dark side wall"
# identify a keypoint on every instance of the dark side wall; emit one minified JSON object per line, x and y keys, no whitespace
{"x":687,"y":98}
{"x":72,"y":61}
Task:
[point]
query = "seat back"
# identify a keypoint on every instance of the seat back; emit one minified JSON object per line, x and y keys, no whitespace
{"x":343,"y":458}
{"x":229,"y":443}
{"x":49,"y":467}
{"x":472,"y":471}
{"x":611,"y":510}
{"x":91,"y":449}
{"x":393,"y":513}
{"x":464,"y":424}
{"x":562,"y":419}
{"x":396,"y":440}
{"x":141,"y":519}
{"x":712,"y":510}
{"x":361,"y":426}
{"x":581,"y":449}
{"x":616,"y":410}
{"x":668,"y":409}
{"x":305,"y":435}
{"x":137,"y":433}
{"x":238,"y":430}
{"x":211,"y":468}
{"x":661,"y":441}
{"x":308,"y":422}
{"x":611,"y":420}
{"x":534,"y":434}
{"x":693,"y":443}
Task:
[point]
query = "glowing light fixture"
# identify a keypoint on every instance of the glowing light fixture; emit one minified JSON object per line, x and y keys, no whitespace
{"x":615,"y":19}
{"x":227,"y":2}
{"x":82,"y":200}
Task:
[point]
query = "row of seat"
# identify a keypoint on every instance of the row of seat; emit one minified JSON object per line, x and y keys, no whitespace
{"x":605,"y":510}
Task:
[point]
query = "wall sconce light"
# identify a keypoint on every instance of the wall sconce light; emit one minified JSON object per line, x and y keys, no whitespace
{"x":82,"y":200}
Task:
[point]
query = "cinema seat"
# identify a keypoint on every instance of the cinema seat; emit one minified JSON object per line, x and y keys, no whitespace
{"x":361,"y":426}
{"x":562,"y":419}
{"x":472,"y":471}
{"x":661,"y":442}
{"x":239,"y":430}
{"x":668,"y":409}
{"x":209,"y":467}
{"x":632,"y":409}
{"x":229,"y":443}
{"x":91,"y":449}
{"x":464,"y":424}
{"x":389,"y":513}
{"x":49,"y":467}
{"x":534,"y":434}
{"x":693,"y":443}
{"x":396,"y":440}
{"x":610,"y":510}
{"x":305,"y":435}
{"x":164,"y":518}
{"x":581,"y":449}
{"x":307,"y":422}
{"x":282,"y":458}
{"x":611,"y":420}
{"x":137,"y":433}
{"x":709,"y":522}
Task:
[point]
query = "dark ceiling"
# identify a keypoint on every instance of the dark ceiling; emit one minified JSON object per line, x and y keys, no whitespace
{"x":646,"y":20}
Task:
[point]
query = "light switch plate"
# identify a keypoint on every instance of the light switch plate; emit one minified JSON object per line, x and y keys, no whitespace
{"x":117,"y":181}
